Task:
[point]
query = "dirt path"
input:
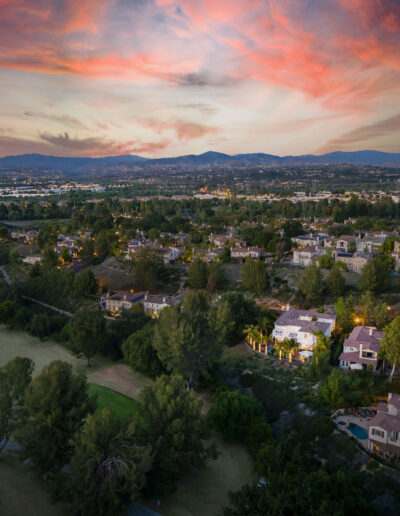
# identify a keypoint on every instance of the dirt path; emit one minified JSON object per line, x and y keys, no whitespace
{"x":120,"y":378}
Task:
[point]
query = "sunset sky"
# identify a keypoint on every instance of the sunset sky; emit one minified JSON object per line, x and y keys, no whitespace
{"x":166,"y":77}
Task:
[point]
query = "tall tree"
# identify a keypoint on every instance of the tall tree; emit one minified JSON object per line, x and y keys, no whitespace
{"x":374,"y":276}
{"x":139,"y":352}
{"x":336,"y":282}
{"x":14,"y":378}
{"x":171,"y":423}
{"x":390,"y":344}
{"x":85,"y":283}
{"x":106,"y":471}
{"x":198,"y":274}
{"x":49,"y":258}
{"x":57,"y":403}
{"x":311,"y":284}
{"x":232,"y":412}
{"x":184,"y":342}
{"x":255,"y":276}
{"x":87,"y":332}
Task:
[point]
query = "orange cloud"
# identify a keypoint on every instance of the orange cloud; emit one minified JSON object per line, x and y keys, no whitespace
{"x":183,"y":130}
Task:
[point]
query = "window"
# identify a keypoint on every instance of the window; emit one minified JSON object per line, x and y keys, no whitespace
{"x":378,"y":433}
{"x":394,"y":436}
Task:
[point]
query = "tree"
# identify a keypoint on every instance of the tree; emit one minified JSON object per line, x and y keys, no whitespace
{"x":331,"y":391}
{"x":255,"y":276}
{"x":230,"y":317}
{"x":253,"y":335}
{"x":374,"y":276}
{"x":170,"y":422}
{"x":322,"y":344}
{"x":85,"y":284}
{"x":382,"y":315}
{"x":231,"y":414}
{"x":326,"y":261}
{"x":184,"y":342}
{"x":57,"y":403}
{"x":367,"y":307}
{"x":345,"y":314}
{"x":119,"y":329}
{"x":198,"y":274}
{"x":149,"y":269}
{"x":49,"y":258}
{"x":216,"y":277}
{"x":139,"y":352}
{"x":14,"y":378}
{"x":311,"y":284}
{"x":390,"y":344}
{"x":65,"y":254}
{"x":87,"y":251}
{"x":40,"y":325}
{"x":336,"y":282}
{"x":106,"y":472}
{"x":86,"y":331}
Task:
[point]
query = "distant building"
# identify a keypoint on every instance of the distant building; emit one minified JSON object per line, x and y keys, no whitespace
{"x":154,"y":304}
{"x":310,"y":240}
{"x":345,"y":243}
{"x":305,"y":256}
{"x":355,"y":262}
{"x":361,"y":349}
{"x":245,"y":252}
{"x":370,"y":244}
{"x":122,"y":301}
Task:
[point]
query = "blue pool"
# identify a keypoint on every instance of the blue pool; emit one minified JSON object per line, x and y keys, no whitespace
{"x":358,"y":431}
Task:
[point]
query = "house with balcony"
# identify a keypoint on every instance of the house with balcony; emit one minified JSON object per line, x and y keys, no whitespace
{"x":384,"y":428}
{"x":370,"y":244}
{"x":301,"y":326}
{"x":153,"y":304}
{"x":361,"y":349}
{"x":344,"y":243}
{"x":355,"y":262}
{"x":305,"y":256}
{"x":312,"y":239}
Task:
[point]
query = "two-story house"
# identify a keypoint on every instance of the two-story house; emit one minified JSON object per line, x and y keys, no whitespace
{"x":238,"y":253}
{"x":301,"y":326}
{"x":121,"y":301}
{"x":345,"y":243}
{"x":312,"y":239}
{"x":306,"y":255}
{"x":370,"y":244}
{"x":361,"y":349}
{"x":384,"y":428}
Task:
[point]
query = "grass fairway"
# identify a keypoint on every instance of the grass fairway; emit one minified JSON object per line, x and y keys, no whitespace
{"x":205,"y":492}
{"x":121,"y":405}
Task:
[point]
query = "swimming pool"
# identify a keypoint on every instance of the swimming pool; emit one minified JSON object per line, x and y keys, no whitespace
{"x":342,"y":423}
{"x":358,"y":431}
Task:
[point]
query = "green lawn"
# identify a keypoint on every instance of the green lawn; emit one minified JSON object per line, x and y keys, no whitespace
{"x":121,"y":405}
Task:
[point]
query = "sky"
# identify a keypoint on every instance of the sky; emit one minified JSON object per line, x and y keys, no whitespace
{"x":170,"y":77}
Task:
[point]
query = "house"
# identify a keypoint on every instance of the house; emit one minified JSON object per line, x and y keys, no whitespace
{"x":171,"y":254}
{"x":306,"y":255}
{"x":222,"y":240}
{"x":32,"y":259}
{"x":345,"y":243}
{"x":154,"y":304}
{"x":121,"y":301}
{"x":301,"y":326}
{"x":370,"y":244}
{"x":361,"y":349}
{"x":384,"y":428}
{"x":312,"y":239}
{"x":245,"y":252}
{"x":207,"y":255}
{"x":355,"y":262}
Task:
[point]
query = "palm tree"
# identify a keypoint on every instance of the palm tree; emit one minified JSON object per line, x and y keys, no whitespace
{"x":321,"y":345}
{"x":293,"y":345}
{"x":281,"y":346}
{"x":252,"y":333}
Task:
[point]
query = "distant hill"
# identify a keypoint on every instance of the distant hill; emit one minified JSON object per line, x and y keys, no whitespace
{"x":207,"y":159}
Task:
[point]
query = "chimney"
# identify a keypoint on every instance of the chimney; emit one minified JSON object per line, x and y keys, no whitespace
{"x":287,"y":307}
{"x":370,"y":332}
{"x":164,"y":299}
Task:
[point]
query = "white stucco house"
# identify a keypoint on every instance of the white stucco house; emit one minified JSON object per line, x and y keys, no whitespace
{"x":301,"y":326}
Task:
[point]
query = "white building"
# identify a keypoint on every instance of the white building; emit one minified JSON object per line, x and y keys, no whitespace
{"x":245,"y":252}
{"x":312,"y":239}
{"x":121,"y":301}
{"x":154,"y":304}
{"x":305,"y":256}
{"x":301,"y":326}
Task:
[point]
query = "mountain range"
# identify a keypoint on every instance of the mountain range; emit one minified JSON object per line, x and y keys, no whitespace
{"x":207,"y":159}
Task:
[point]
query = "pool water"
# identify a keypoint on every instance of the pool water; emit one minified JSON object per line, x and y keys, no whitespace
{"x":358,"y":431}
{"x":342,"y":423}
